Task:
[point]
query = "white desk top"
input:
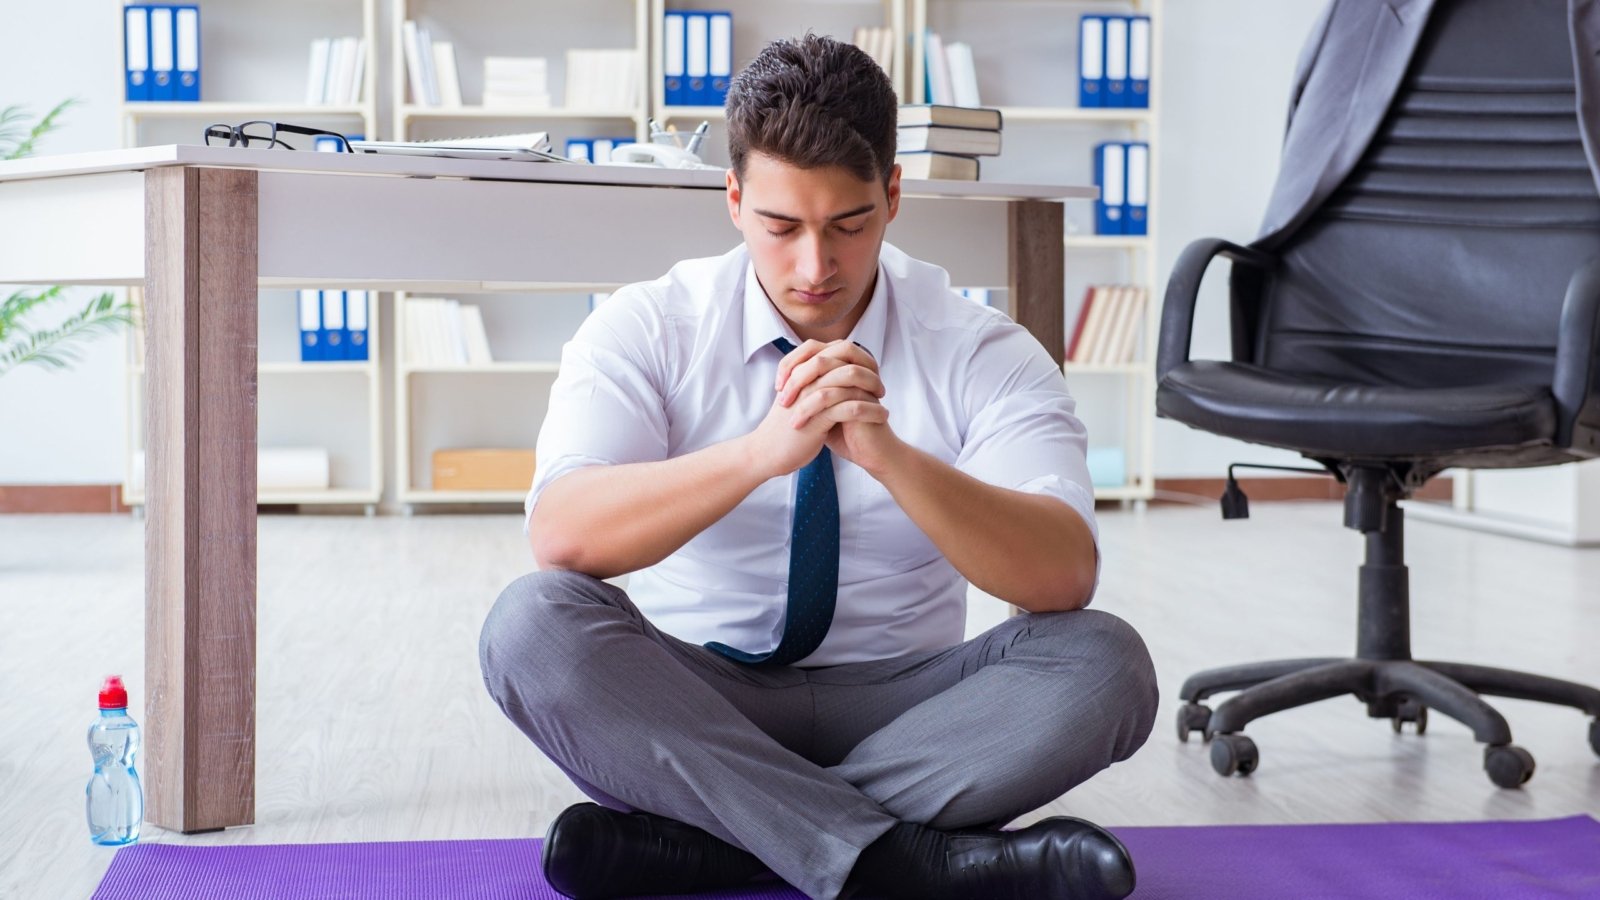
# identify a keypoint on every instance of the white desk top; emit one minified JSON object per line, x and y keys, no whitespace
{"x":139,"y":158}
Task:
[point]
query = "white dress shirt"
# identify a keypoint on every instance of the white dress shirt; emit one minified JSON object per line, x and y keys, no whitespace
{"x":671,"y":366}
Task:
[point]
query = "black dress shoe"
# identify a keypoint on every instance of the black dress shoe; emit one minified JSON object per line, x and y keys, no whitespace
{"x":1060,"y":858}
{"x":1055,"y":859}
{"x":591,"y":853}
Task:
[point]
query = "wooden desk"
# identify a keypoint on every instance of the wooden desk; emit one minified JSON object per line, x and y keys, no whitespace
{"x":201,"y":229}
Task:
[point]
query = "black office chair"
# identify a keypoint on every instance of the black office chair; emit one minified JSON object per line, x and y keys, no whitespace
{"x":1442,"y":308}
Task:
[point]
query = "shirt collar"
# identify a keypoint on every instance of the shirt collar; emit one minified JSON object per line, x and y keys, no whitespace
{"x":763,"y":324}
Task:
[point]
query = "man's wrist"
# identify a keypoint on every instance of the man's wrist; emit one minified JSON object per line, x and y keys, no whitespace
{"x":749,"y":461}
{"x":891,"y":459}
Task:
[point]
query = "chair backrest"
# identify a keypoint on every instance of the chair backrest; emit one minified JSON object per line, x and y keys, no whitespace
{"x":1443,"y":259}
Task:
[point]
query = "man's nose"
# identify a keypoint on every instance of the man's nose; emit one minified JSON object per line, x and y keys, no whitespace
{"x":815,"y":263}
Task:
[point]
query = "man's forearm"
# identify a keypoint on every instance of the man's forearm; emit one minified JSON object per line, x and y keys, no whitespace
{"x":608,"y":520}
{"x":1029,"y":550}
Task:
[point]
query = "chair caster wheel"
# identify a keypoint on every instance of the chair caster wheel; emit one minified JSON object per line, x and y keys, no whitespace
{"x":1233,"y":754}
{"x":1192,"y":717}
{"x":1410,"y":711}
{"x":1508,"y":765}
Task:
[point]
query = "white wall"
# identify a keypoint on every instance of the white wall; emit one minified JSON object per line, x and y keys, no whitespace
{"x":1226,"y":70}
{"x":67,"y":427}
{"x":1226,"y":89}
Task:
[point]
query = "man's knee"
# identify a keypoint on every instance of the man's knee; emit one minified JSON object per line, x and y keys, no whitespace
{"x":532,"y":611}
{"x":1111,"y":659}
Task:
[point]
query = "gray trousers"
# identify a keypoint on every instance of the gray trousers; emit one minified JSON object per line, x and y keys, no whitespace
{"x":805,"y":767}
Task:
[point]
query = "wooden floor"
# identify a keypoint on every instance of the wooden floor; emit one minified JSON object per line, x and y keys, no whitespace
{"x":374,"y":723}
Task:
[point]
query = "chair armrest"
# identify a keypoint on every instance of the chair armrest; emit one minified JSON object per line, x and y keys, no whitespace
{"x":1183,"y":291}
{"x":1576,"y":383}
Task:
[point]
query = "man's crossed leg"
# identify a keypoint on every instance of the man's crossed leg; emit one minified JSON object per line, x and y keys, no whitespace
{"x":885,"y":777}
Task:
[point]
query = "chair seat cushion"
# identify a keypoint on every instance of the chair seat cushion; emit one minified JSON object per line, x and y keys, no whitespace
{"x":1324,"y":418}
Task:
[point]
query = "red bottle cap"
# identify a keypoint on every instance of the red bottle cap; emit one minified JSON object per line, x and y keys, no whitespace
{"x":112,"y":694}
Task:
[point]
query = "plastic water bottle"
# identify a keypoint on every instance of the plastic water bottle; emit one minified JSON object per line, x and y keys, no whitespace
{"x":115,"y":800}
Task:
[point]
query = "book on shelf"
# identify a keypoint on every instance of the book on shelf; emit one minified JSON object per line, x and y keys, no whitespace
{"x":443,"y":332}
{"x":913,"y":114}
{"x":431,"y":69}
{"x":418,"y":51}
{"x":963,"y":74}
{"x":878,"y":43}
{"x":444,"y":67}
{"x":926,"y":164}
{"x":938,"y":86}
{"x":603,"y":79}
{"x":1108,"y":325}
{"x":939,"y":139}
{"x":337,"y":69}
{"x":950,"y":73}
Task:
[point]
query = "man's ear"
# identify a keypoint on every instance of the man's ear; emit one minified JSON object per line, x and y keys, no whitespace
{"x":894,"y":192}
{"x":734,"y":197}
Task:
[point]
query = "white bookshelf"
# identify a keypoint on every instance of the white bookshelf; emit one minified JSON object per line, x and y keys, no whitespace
{"x":336,"y":405}
{"x":254,"y":67}
{"x":1026,"y":53}
{"x":254,"y":62}
{"x":481,"y":29}
{"x":508,"y":396}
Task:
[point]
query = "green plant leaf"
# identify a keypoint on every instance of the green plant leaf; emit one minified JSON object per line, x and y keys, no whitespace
{"x":13,"y":124}
{"x":18,"y":304}
{"x":54,"y":348}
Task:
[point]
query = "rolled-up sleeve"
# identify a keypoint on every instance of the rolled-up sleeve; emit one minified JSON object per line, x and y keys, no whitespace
{"x":606,"y":405}
{"x":1023,"y":432}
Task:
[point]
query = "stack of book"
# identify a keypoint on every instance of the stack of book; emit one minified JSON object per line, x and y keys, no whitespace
{"x":441,"y":332}
{"x":337,"y":69}
{"x":516,"y":81}
{"x":935,"y":141}
{"x":1108,"y":327}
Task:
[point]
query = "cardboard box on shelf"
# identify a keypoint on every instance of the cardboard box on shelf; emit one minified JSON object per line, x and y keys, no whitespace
{"x":482,"y":469}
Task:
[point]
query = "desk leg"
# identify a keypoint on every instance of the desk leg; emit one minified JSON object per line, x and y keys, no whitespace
{"x":1037,"y":295}
{"x":1037,"y":265}
{"x":200,"y":497}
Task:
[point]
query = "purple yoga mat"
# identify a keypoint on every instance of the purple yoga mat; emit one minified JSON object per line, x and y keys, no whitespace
{"x":1555,"y":858}
{"x":1548,"y":859}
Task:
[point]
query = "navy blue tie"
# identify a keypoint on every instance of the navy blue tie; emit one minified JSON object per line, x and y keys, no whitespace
{"x":813,"y":564}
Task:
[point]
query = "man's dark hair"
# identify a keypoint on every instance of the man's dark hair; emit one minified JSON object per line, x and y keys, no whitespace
{"x":813,"y":102}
